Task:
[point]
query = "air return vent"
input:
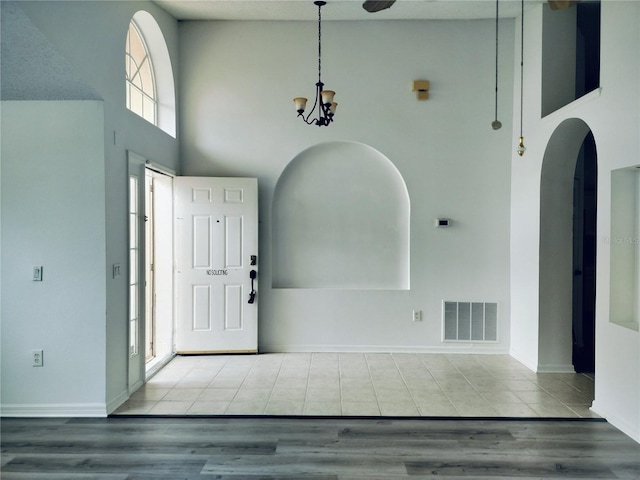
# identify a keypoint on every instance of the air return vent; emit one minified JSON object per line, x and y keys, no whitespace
{"x":470,"y":321}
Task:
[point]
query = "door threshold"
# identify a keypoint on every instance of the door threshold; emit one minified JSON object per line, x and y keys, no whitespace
{"x":156,"y":364}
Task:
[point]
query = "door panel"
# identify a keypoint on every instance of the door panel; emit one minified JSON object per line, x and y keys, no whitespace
{"x":216,"y":232}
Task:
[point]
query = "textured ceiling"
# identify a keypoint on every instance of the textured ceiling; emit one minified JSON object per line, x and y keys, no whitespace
{"x":31,"y":68}
{"x":338,"y":9}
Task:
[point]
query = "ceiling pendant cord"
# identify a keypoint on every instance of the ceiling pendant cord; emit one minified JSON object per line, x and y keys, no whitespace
{"x":319,"y":85}
{"x":496,"y":124}
{"x":320,"y":41}
{"x":521,"y":148}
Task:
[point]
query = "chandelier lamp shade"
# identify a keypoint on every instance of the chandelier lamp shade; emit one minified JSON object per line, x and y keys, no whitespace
{"x":323,"y":104}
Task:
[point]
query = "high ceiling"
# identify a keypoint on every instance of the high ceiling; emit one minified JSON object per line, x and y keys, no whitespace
{"x":338,"y":9}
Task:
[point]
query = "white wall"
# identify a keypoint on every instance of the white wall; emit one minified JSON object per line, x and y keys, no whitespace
{"x":615,"y":126}
{"x":91,"y":36}
{"x":53,"y":203}
{"x":237,"y":118}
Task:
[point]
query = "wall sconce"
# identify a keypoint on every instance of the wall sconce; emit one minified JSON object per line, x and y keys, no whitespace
{"x":421,"y":87}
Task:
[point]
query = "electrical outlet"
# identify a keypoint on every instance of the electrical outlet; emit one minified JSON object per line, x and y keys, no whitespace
{"x":37,"y":358}
{"x":417,"y":315}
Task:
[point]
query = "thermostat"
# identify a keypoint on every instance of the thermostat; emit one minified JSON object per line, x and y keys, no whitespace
{"x":441,"y":222}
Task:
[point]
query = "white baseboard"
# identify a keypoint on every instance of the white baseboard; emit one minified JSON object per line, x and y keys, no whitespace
{"x":555,"y":369}
{"x":54,"y":410}
{"x":531,"y":365}
{"x":620,"y":422}
{"x":458,"y":348}
{"x":538,"y":368}
{"x":116,"y":402}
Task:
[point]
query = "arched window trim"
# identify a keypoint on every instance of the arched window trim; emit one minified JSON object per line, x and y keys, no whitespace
{"x":163,"y":71}
{"x":150,"y":92}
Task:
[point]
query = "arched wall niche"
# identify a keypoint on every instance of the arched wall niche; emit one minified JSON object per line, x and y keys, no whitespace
{"x":340,"y":219}
{"x":163,"y":71}
{"x":556,"y":246}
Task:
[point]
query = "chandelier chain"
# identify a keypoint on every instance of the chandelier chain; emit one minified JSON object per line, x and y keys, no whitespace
{"x":319,"y":42}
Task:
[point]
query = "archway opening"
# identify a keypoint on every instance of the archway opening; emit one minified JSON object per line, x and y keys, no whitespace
{"x":567,"y":250}
{"x":585,"y":202}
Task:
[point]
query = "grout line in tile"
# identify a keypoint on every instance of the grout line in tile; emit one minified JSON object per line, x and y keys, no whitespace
{"x":185,"y":367}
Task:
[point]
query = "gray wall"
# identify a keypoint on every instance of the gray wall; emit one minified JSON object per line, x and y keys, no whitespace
{"x":53,"y":203}
{"x":237,"y":118}
{"x":87,"y":39}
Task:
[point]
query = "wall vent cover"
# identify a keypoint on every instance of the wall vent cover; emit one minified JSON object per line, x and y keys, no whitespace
{"x":470,"y":321}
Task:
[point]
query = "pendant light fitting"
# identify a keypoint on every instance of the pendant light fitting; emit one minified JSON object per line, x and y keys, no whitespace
{"x":521,"y":148}
{"x":324,"y":98}
{"x":496,"y":124}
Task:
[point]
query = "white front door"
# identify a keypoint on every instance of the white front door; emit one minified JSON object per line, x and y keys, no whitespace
{"x":216,"y":258}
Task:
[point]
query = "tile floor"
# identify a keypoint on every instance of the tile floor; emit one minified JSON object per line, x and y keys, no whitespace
{"x":360,"y":384}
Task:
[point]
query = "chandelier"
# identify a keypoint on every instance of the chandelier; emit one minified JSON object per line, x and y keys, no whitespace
{"x":324,"y":98}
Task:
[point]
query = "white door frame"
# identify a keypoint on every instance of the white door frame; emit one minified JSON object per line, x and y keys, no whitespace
{"x":162,"y":277}
{"x":135,"y":272}
{"x":136,"y":365}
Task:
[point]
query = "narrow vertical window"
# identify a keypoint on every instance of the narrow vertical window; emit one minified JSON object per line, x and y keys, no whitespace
{"x":141,"y":95}
{"x":134,"y":252}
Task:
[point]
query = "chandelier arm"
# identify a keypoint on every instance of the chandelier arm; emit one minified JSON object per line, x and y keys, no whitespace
{"x":315,"y":104}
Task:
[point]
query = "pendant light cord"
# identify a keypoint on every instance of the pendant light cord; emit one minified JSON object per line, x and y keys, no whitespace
{"x":521,"y":61}
{"x":496,"y":109}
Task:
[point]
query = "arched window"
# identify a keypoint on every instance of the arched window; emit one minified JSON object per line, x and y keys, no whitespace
{"x":141,"y":84}
{"x":150,"y":89}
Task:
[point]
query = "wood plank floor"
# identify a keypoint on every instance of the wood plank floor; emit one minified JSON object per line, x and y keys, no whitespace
{"x":226,"y":448}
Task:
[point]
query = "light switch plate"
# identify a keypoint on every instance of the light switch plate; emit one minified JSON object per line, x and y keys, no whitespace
{"x":37,"y":273}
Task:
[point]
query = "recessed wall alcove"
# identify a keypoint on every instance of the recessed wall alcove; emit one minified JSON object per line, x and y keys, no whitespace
{"x":340,"y":220}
